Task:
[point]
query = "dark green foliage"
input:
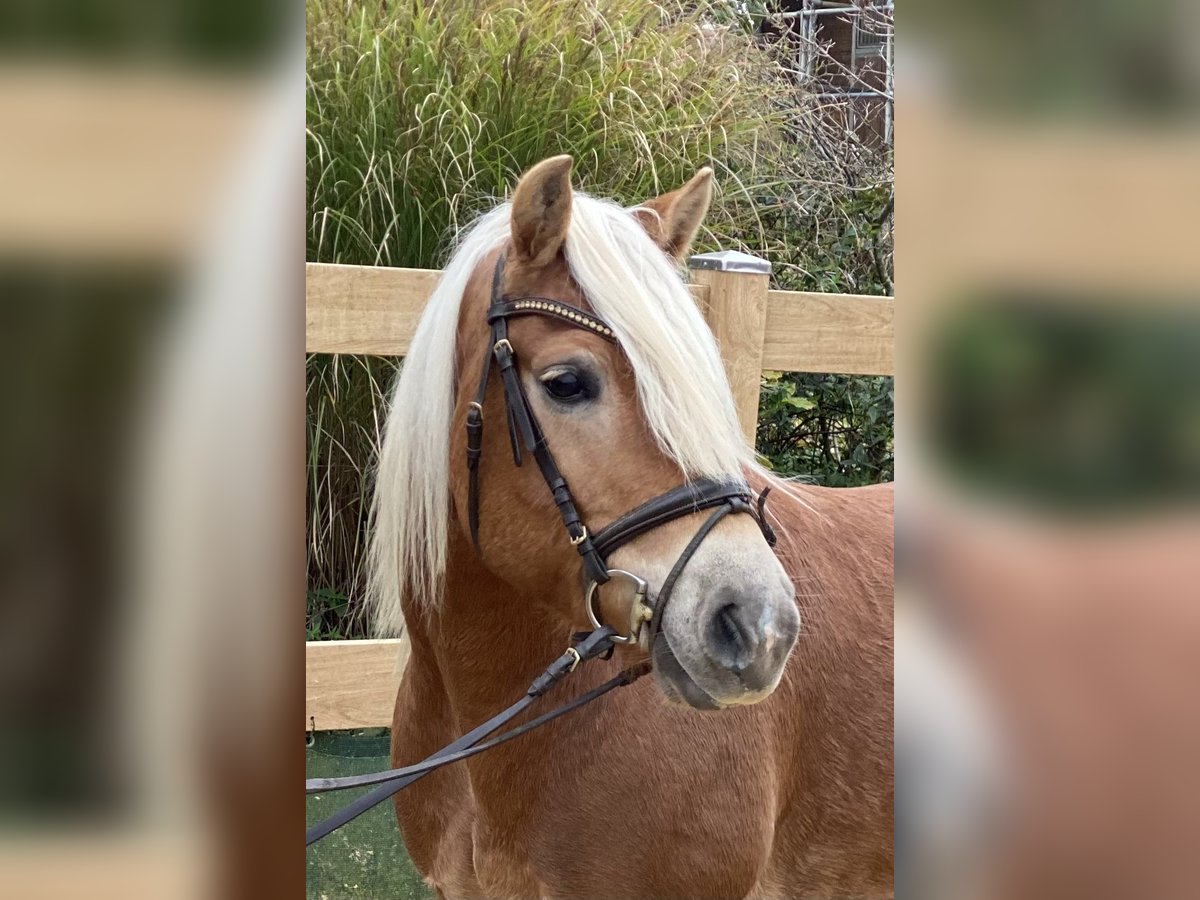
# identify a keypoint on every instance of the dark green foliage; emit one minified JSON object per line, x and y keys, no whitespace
{"x":834,"y":430}
{"x":326,"y":614}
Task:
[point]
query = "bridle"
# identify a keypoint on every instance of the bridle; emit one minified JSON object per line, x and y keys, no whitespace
{"x":524,"y":431}
{"x":645,"y":619}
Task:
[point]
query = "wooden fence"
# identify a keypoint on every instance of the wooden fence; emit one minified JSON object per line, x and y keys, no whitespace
{"x":370,"y":310}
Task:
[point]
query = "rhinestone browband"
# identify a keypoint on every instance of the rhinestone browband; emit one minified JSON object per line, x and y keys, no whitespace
{"x":542,"y":306}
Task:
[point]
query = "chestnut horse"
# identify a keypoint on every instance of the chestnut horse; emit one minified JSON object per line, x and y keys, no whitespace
{"x":757,"y":762}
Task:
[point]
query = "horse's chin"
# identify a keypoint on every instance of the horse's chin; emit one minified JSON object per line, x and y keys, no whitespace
{"x":676,"y":684}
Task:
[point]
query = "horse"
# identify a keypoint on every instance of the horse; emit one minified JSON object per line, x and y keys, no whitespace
{"x":757,"y":761}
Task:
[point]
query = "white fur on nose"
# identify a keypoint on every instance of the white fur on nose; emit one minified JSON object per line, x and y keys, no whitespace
{"x":770,"y":637}
{"x":733,"y":565}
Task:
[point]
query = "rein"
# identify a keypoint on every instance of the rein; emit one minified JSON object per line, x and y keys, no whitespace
{"x":645,"y":617}
{"x":595,"y":643}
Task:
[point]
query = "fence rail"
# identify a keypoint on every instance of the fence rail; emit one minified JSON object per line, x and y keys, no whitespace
{"x":351,"y":684}
{"x":374,"y":311}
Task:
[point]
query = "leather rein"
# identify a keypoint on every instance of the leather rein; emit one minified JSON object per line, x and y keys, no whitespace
{"x":724,"y":497}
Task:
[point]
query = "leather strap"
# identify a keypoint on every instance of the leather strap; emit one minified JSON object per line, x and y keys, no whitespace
{"x":703,"y":493}
{"x":443,"y":758}
{"x":525,"y":433}
{"x":475,"y":424}
{"x":544,"y":306}
{"x":596,"y":643}
{"x":668,"y":585}
{"x":530,"y":433}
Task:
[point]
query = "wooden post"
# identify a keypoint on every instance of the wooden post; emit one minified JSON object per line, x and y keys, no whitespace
{"x":737,"y":313}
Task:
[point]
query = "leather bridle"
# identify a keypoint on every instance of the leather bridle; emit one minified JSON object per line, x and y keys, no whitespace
{"x":645,"y":618}
{"x":722,"y":496}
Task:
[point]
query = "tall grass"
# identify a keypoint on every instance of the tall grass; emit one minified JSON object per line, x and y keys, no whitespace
{"x":423,"y":113}
{"x":346,"y":405}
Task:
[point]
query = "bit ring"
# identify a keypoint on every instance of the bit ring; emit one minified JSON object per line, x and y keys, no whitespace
{"x":637,"y":611}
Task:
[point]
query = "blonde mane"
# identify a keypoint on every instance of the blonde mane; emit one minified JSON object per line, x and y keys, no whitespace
{"x":632,"y":285}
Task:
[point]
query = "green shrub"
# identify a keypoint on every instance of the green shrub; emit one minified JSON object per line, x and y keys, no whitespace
{"x":834,"y":430}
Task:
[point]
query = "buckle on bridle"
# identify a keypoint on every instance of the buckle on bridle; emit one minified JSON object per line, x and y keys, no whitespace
{"x":639,"y":610}
{"x":576,"y":661}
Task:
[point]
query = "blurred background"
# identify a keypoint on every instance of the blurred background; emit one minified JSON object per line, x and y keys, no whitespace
{"x":151,"y":269}
{"x":1048,"y":389}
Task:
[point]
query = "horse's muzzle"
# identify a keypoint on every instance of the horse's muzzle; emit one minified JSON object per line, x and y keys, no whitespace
{"x":732,"y":651}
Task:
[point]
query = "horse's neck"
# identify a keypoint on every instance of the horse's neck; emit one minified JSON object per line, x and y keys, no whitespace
{"x":487,"y":640}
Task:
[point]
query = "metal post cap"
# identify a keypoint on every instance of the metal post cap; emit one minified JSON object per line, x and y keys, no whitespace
{"x":730,"y":261}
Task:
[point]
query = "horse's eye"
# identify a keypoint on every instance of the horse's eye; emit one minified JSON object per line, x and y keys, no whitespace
{"x":565,"y":386}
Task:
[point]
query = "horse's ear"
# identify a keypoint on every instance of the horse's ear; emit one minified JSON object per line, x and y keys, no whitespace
{"x":541,"y":211}
{"x":673,"y":219}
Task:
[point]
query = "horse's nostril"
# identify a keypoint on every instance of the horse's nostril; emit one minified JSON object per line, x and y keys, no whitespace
{"x":732,"y":642}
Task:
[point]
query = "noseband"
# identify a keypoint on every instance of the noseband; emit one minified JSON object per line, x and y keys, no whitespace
{"x":525,"y":434}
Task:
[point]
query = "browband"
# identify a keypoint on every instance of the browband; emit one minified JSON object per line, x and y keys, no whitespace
{"x":542,"y":306}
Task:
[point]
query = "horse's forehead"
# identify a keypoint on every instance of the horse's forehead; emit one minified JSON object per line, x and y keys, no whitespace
{"x":553,"y":280}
